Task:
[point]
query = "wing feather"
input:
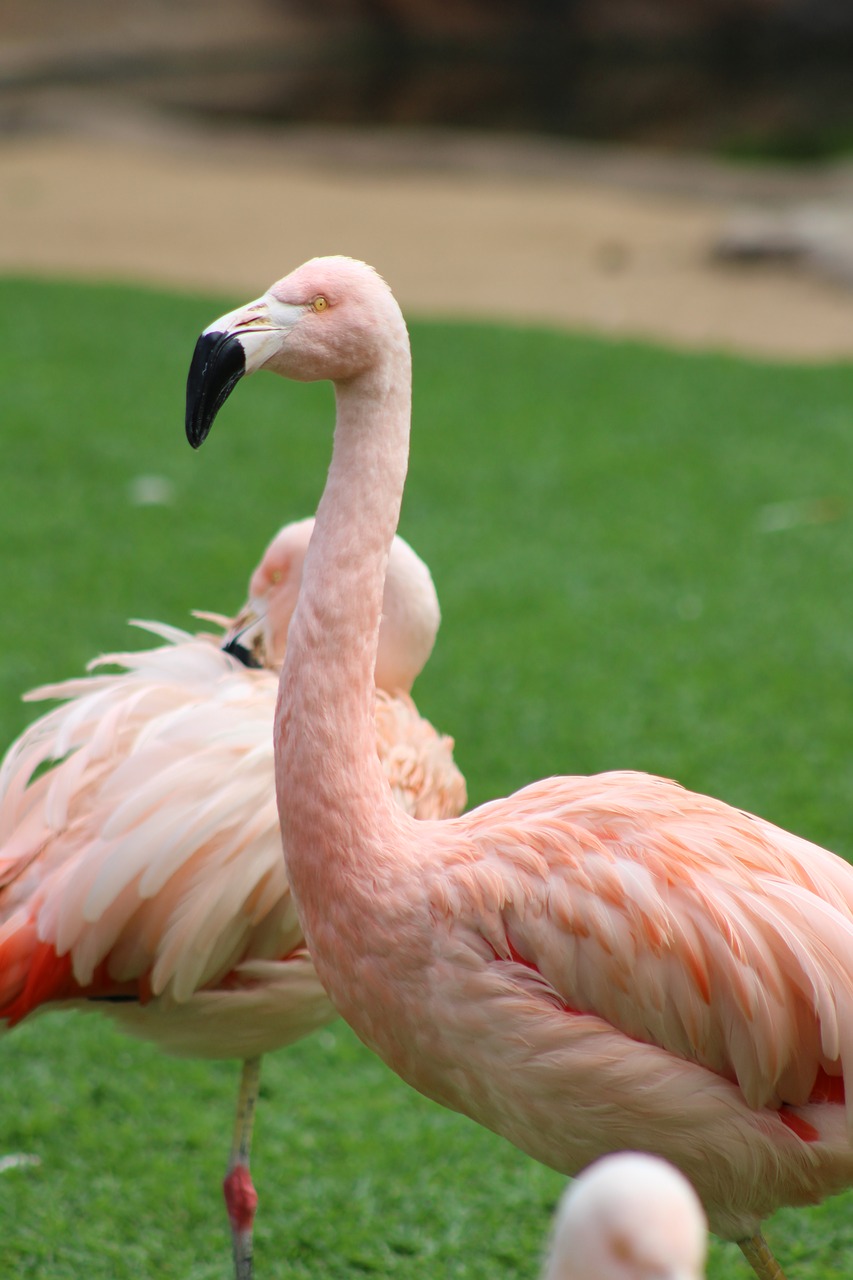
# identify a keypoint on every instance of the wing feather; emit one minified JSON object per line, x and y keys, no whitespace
{"x":141,"y":836}
{"x":681,"y":921}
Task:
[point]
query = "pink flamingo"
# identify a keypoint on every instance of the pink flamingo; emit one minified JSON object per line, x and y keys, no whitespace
{"x":143,"y":874}
{"x":629,"y":1216}
{"x":591,"y":964}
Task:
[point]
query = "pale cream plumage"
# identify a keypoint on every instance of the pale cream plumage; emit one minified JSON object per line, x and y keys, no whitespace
{"x":147,"y":862}
{"x":591,"y":964}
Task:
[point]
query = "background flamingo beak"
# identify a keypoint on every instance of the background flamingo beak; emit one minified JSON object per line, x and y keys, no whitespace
{"x":244,"y":639}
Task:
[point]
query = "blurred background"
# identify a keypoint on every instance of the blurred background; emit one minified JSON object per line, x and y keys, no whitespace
{"x":680,"y":165}
{"x":742,"y":77}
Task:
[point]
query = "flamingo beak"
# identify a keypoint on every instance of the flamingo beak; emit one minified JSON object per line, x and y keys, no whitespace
{"x":245,"y":638}
{"x":218,"y":364}
{"x":236,"y":344}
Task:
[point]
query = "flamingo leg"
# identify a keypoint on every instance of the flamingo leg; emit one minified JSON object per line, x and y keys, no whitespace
{"x":241,"y":1199}
{"x":757,"y":1253}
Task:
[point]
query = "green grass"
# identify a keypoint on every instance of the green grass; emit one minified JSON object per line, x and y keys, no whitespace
{"x":598,"y":518}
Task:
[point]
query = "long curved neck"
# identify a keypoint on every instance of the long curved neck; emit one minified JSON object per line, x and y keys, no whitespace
{"x":333,"y":799}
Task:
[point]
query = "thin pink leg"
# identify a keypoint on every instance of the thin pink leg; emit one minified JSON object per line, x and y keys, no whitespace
{"x":241,"y":1198}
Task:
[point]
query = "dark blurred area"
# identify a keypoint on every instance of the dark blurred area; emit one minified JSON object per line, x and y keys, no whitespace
{"x":749,"y":78}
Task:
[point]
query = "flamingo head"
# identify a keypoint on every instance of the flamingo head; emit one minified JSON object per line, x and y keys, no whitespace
{"x":331,"y":319}
{"x":629,"y":1216}
{"x":410,"y":611}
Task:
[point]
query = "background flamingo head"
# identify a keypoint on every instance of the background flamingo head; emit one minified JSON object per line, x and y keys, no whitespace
{"x":410,"y":610}
{"x":629,"y":1216}
{"x":332,"y":318}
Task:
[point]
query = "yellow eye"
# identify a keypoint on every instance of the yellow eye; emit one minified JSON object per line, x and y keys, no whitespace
{"x":320,"y":303}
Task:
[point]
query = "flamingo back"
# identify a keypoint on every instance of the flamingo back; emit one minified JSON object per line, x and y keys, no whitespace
{"x":141,"y":861}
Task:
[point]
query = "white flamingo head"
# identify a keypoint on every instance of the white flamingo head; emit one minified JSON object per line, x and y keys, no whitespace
{"x":629,"y":1216}
{"x":332,"y":318}
{"x":410,"y":611}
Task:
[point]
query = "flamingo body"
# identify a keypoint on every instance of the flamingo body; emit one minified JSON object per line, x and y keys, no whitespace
{"x":142,"y":873}
{"x":136,"y":890}
{"x":591,"y":964}
{"x":558,"y":1005}
{"x":147,"y":862}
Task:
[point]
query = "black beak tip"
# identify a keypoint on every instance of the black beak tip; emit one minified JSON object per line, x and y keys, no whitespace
{"x":242,"y":654}
{"x":218,"y":364}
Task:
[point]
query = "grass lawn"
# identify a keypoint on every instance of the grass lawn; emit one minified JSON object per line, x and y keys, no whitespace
{"x":644,"y":560}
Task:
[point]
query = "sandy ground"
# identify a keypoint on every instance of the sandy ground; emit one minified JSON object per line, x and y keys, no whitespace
{"x":525,"y":232}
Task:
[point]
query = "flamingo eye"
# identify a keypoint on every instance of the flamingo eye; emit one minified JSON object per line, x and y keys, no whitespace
{"x":320,"y":303}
